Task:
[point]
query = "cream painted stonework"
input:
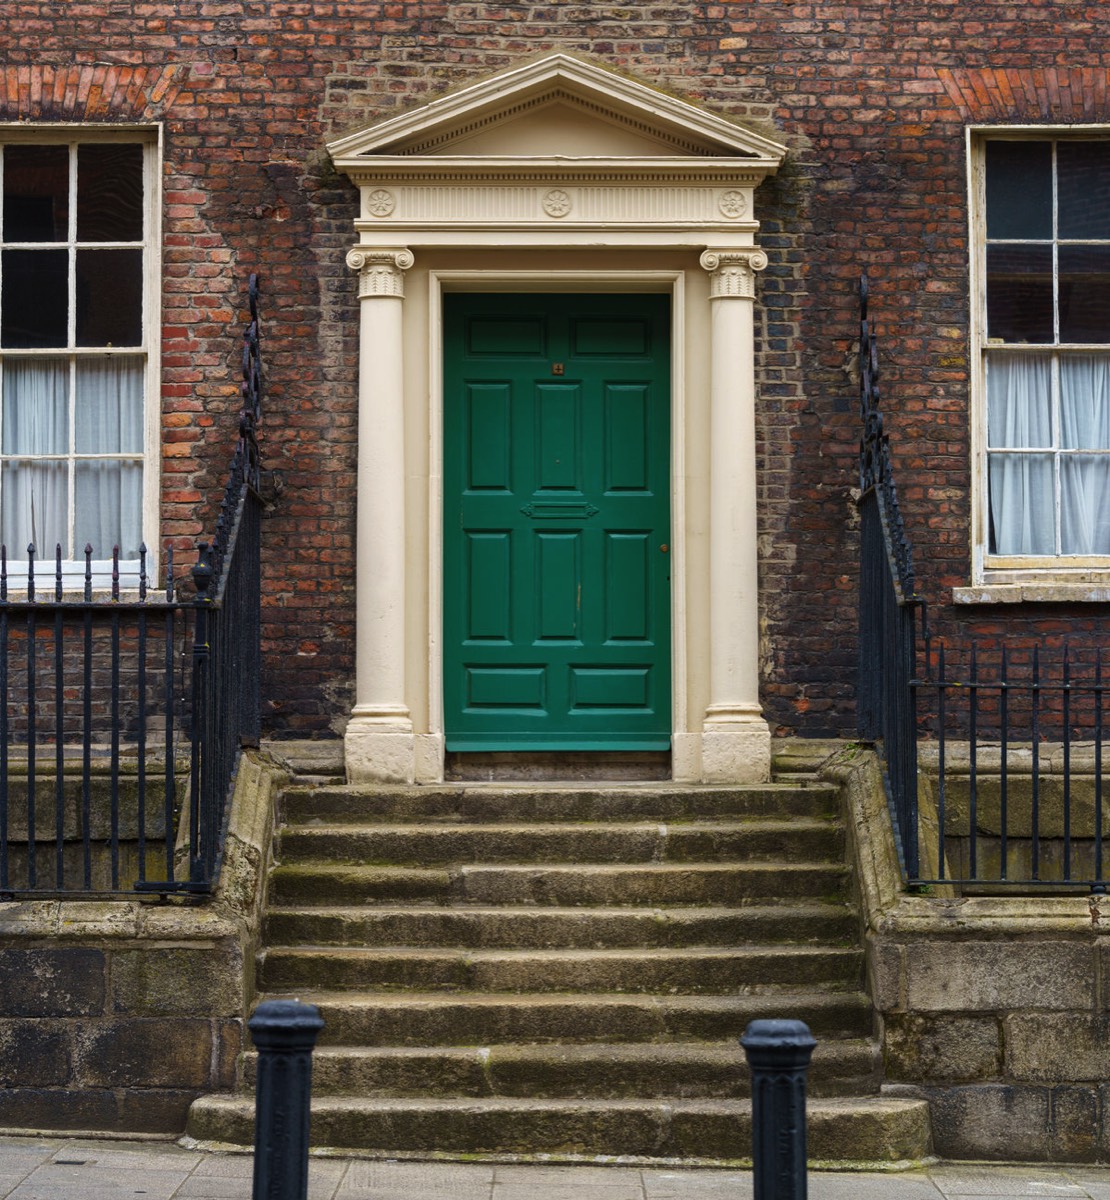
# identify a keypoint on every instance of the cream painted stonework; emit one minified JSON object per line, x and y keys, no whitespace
{"x":558,"y":175}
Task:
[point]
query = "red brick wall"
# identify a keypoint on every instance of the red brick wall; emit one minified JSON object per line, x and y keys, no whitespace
{"x":872,"y":101}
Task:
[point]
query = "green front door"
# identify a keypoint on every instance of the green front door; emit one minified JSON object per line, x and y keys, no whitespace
{"x":557,"y":619}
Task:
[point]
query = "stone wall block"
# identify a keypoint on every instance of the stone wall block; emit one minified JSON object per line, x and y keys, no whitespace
{"x":228,"y":1036}
{"x":52,"y":982}
{"x":145,"y":1054}
{"x":1073,"y":1124}
{"x":991,"y":1121}
{"x":945,"y":975}
{"x":202,"y":981}
{"x":1053,"y":1048}
{"x":884,"y":969}
{"x":153,"y":1110}
{"x":34,"y":1053}
{"x":931,"y":1049}
{"x":58,"y":1108}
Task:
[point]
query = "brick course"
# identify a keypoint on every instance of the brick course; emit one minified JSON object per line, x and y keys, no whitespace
{"x":872,"y":101}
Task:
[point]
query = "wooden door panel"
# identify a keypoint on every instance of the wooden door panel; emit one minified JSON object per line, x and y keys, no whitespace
{"x":558,"y":558}
{"x":489,"y":437}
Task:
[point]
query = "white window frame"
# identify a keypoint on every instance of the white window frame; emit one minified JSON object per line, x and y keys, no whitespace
{"x":997,"y":577}
{"x":73,"y":570}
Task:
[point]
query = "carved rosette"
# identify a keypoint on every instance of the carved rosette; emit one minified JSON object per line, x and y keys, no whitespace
{"x":380,"y":272}
{"x":557,"y":202}
{"x":380,"y":202}
{"x":732,"y":272}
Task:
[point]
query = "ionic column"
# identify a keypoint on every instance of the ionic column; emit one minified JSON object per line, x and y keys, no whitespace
{"x":379,"y":742}
{"x":736,"y":741}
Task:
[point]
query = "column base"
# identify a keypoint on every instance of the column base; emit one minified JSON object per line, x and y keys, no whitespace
{"x":736,"y":750}
{"x":379,"y":749}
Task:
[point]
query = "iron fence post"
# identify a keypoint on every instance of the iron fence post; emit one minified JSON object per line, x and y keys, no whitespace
{"x":778,"y":1053}
{"x":284,"y":1033}
{"x":200,"y":731}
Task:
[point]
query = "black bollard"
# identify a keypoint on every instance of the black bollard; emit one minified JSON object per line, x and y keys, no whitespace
{"x":284,"y":1033}
{"x":778,"y":1054}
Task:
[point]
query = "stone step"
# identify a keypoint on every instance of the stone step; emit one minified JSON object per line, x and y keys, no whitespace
{"x":681,"y":1070}
{"x":476,"y":1019}
{"x":799,"y":840}
{"x":687,"y":970}
{"x":557,"y":884}
{"x":871,"y":1129}
{"x":508,"y":926}
{"x":480,"y":803}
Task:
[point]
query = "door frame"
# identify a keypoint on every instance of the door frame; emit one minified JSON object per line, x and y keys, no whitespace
{"x":666,"y":282}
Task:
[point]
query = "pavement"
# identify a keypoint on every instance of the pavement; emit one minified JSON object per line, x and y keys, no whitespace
{"x":60,"y":1168}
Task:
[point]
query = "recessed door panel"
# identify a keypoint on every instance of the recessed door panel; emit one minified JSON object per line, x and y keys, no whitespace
{"x":558,"y":585}
{"x":557,"y":412}
{"x":556,"y":522}
{"x":488,"y":437}
{"x":627,"y":587}
{"x":627,"y":437}
{"x":611,"y":687}
{"x":488,"y":563}
{"x":505,"y":688}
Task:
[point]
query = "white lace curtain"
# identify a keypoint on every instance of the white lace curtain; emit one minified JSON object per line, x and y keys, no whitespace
{"x":35,"y":493}
{"x":1020,"y":390}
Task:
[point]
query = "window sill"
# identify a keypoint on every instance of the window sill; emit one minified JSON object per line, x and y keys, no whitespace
{"x":1033,"y":593}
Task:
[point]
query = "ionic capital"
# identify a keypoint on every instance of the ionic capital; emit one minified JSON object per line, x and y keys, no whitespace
{"x":732,"y":272}
{"x":380,"y":272}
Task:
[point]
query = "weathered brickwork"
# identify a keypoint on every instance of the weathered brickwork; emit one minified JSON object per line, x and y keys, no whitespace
{"x":872,"y":101}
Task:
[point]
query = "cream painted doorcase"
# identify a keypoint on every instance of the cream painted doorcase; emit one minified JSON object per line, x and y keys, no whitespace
{"x":557,"y":179}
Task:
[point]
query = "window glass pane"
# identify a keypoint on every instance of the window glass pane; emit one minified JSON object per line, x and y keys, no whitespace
{"x":1022,"y":504}
{"x":109,"y":405}
{"x":1083,"y":189}
{"x":109,"y":297}
{"x":109,"y":507}
{"x":1084,"y":293}
{"x":36,"y":193}
{"x":1019,"y":189}
{"x":1019,"y":293}
{"x":110,"y":193}
{"x":33,"y":298}
{"x":1085,"y":504}
{"x":36,"y":406}
{"x":33,"y":504}
{"x":1019,"y":400}
{"x":1085,"y":401}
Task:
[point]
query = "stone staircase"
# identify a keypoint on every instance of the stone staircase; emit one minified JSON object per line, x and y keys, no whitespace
{"x":565,"y":970}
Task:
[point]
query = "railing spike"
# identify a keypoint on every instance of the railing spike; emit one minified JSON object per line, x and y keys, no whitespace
{"x":3,"y":572}
{"x":88,"y":571}
{"x":58,"y":571}
{"x":115,"y":572}
{"x":31,"y":571}
{"x":142,"y":570}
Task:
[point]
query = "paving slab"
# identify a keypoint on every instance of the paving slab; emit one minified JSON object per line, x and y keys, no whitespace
{"x":914,"y":1185}
{"x":697,"y":1185}
{"x":956,"y":1181}
{"x":368,"y":1180}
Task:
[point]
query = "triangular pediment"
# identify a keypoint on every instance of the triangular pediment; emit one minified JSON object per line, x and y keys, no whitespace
{"x":558,"y":107}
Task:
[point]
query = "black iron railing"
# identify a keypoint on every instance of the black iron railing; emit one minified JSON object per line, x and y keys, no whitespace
{"x":1013,"y":765}
{"x":992,"y":752}
{"x":888,"y":604}
{"x":123,"y":712}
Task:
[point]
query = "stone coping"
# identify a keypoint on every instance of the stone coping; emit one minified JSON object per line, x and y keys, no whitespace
{"x":232,"y":912}
{"x":887,"y":908}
